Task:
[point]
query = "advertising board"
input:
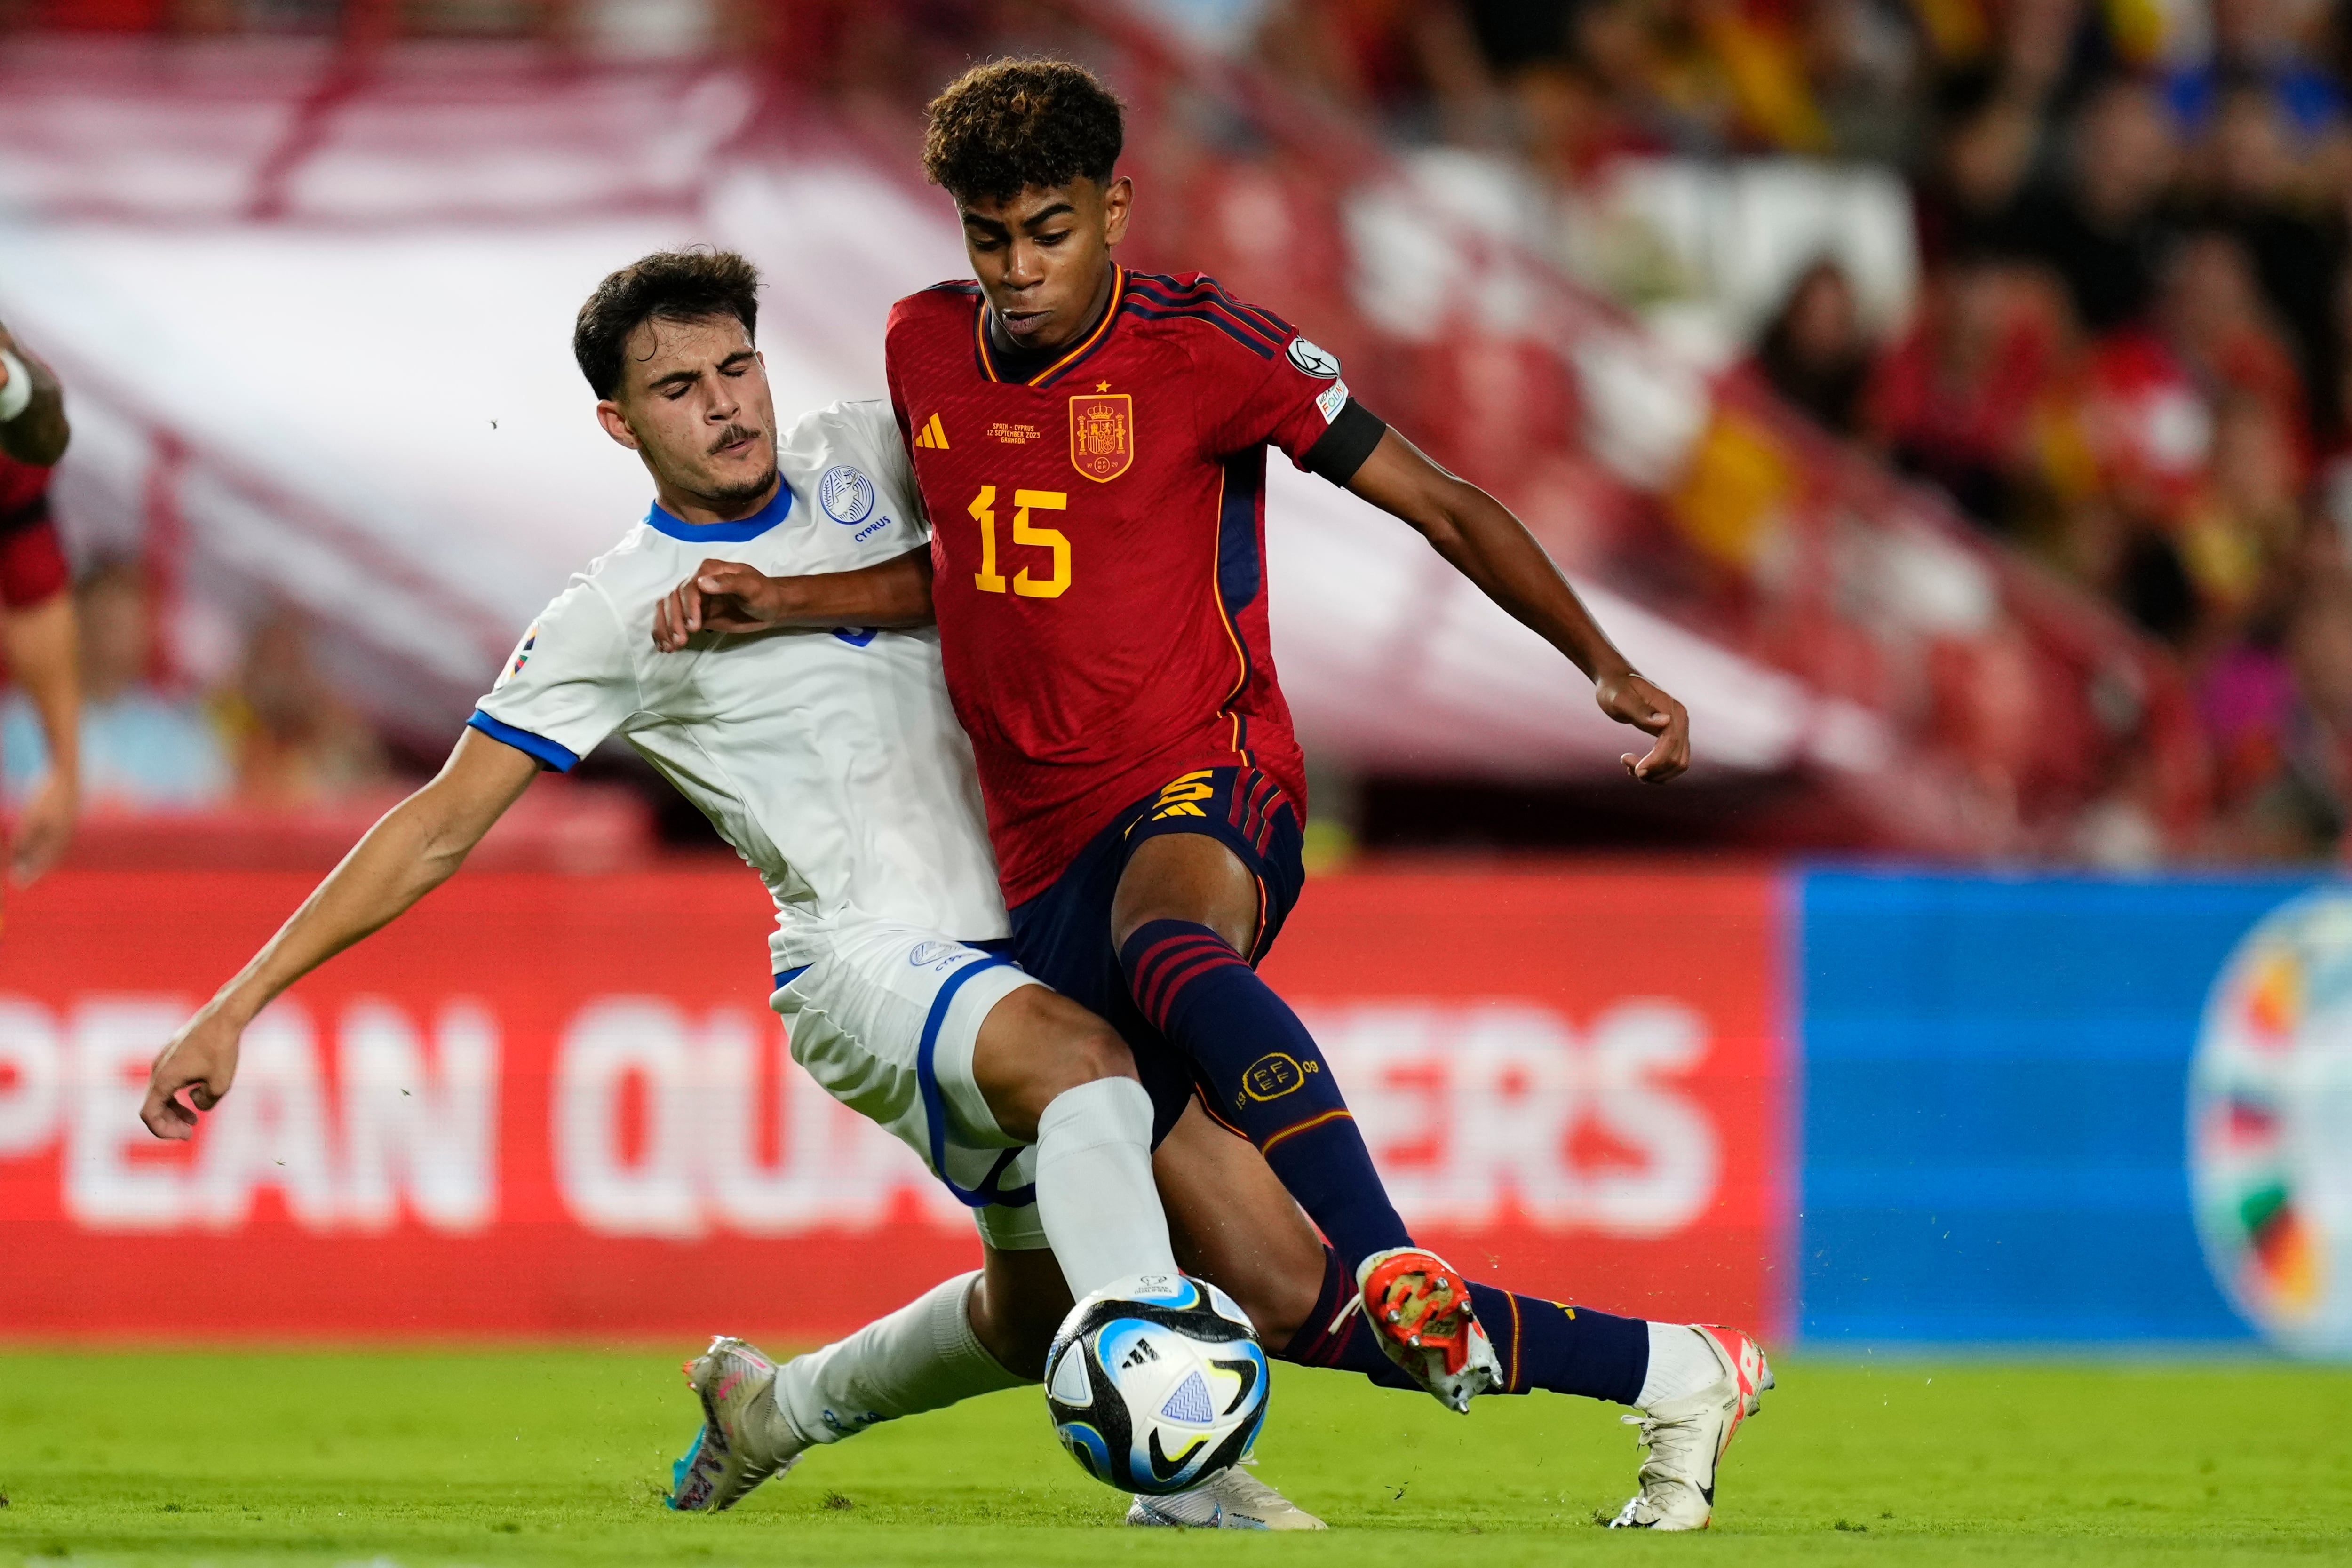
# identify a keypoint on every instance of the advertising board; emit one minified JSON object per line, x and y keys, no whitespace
{"x":542,"y":1104}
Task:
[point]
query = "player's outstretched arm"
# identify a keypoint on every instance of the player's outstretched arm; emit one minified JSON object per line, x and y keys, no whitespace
{"x":729,"y":596}
{"x":1494,"y":549}
{"x":407,"y":854}
{"x":37,"y":432}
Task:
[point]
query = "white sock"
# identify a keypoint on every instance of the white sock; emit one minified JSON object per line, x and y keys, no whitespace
{"x":1680,"y":1364}
{"x":1095,"y":1194}
{"x":924,"y":1356}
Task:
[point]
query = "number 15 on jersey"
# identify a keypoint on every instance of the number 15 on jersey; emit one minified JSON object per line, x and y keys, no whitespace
{"x":988,"y":579}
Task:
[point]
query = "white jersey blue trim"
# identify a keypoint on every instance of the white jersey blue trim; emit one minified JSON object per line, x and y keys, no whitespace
{"x":561,"y":758}
{"x":796,"y":746}
{"x":779,"y":507}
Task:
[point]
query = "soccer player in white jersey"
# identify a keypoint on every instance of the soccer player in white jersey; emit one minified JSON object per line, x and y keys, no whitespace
{"x":831,"y":761}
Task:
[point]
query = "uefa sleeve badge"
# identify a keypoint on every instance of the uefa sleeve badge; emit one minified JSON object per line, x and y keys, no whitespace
{"x":1313,"y":360}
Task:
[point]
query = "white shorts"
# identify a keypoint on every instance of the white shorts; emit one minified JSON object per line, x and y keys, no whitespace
{"x":887,"y":1021}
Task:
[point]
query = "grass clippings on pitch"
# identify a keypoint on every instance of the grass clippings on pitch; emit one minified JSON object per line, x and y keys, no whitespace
{"x":420,"y":1459}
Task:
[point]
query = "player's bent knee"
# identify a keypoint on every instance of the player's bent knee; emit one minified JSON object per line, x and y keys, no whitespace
{"x":1186,"y":877}
{"x":1067,"y":1045}
{"x":1036,"y":1045}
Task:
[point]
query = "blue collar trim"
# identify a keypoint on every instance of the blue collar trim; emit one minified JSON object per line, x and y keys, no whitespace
{"x":779,"y":507}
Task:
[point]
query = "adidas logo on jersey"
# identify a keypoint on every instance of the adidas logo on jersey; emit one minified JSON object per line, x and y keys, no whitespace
{"x":932,"y":437}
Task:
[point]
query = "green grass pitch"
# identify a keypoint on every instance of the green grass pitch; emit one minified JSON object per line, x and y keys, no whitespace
{"x":421,"y":1458}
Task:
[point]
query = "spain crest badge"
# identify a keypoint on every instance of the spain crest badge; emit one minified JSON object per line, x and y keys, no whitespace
{"x":1102,"y":434}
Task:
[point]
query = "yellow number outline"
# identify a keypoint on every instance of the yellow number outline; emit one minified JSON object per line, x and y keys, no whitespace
{"x":988,"y":580}
{"x":1053,"y":539}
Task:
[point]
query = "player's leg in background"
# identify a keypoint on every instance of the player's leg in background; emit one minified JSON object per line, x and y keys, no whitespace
{"x":967,"y":1336}
{"x":1236,"y":1227}
{"x":1053,"y":1074}
{"x":1211,"y":871}
{"x":1188,"y":920}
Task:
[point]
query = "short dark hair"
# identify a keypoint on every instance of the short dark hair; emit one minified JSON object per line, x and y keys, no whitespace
{"x":1006,"y":126}
{"x":668,"y":286}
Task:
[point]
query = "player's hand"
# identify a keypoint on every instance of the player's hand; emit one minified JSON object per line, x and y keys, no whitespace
{"x":201,"y":1059}
{"x":1629,"y":700}
{"x":721,"y":596}
{"x":44,"y":829}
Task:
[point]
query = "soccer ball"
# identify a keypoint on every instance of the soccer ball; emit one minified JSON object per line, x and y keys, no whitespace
{"x":1155,"y":1382}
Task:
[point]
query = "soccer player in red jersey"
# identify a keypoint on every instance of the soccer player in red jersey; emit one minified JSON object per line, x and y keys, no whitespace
{"x":1090,"y":443}
{"x":37,"y":614}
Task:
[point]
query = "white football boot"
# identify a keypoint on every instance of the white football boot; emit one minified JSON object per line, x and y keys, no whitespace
{"x":1230,"y":1499}
{"x":1687,"y":1437}
{"x":1421,"y":1317}
{"x":744,"y":1437}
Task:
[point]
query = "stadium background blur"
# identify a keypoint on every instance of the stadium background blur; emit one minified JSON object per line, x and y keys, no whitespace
{"x":1947,"y":399}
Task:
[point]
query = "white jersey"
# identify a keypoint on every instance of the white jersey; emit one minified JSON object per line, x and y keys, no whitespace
{"x":831,"y":759}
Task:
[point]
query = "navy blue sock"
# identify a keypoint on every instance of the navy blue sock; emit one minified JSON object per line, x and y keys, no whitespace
{"x":1541,"y":1343}
{"x":1265,"y":1078}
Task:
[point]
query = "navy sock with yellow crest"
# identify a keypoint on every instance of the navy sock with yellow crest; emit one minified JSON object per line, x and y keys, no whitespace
{"x":1263,"y":1077}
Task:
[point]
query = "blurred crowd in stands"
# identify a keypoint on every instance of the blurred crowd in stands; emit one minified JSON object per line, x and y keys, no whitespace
{"x":95,"y":720}
{"x":2130,"y":350}
{"x":274,"y":736}
{"x":2127,"y":350}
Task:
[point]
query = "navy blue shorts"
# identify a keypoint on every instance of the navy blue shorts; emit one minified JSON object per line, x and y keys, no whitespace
{"x":1063,"y":936}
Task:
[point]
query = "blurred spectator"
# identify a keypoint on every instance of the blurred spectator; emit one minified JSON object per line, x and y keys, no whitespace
{"x":2214,"y":318}
{"x":2238,"y":532}
{"x":142,"y":750}
{"x":1865,"y":64}
{"x":1413,"y":65}
{"x":2273,"y":45}
{"x":1219,"y":24}
{"x":1711,"y":76}
{"x":2101,"y":227}
{"x":2319,"y":652}
{"x":1654,"y":58}
{"x":1955,"y":399}
{"x":1996,"y":92}
{"x":1986,"y":148}
{"x":2279,"y":706}
{"x":2258,"y":191}
{"x":1814,"y":351}
{"x":293,"y":740}
{"x":36,"y":618}
{"x":1513,"y":34}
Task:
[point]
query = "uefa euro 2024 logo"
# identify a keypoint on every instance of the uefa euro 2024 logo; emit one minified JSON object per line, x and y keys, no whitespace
{"x":2270,"y":1125}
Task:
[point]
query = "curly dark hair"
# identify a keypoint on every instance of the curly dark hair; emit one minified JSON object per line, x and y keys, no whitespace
{"x":668,"y":286}
{"x":1010,"y":125}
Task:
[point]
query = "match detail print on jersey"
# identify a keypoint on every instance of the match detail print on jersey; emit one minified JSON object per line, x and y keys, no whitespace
{"x":1102,"y":434}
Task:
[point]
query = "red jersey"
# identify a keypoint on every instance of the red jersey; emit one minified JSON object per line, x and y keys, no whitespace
{"x":22,"y":487}
{"x":1098,"y":535}
{"x":32,"y":567}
